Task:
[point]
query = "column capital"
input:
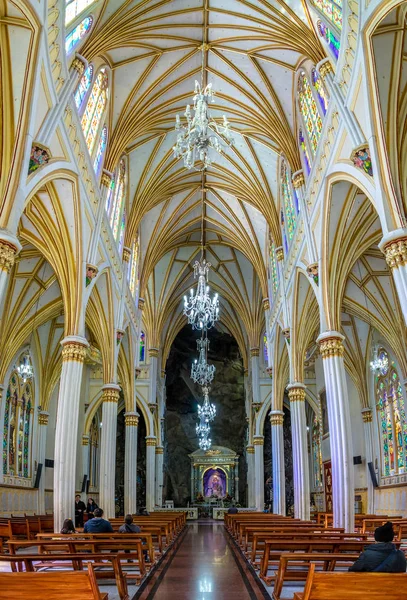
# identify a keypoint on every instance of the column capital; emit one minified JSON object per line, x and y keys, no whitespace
{"x":159,"y":450}
{"x":394,"y":247}
{"x":91,"y":272}
{"x":254,"y":352}
{"x":74,"y":348}
{"x":85,"y":439}
{"x":151,"y":440}
{"x":298,"y":179}
{"x":141,"y":303}
{"x":331,"y":344}
{"x":276,"y":417}
{"x":258,"y":440}
{"x":43,"y":417}
{"x":324,"y":67}
{"x":296,"y":392}
{"x":126,"y":254}
{"x":110,"y":392}
{"x":162,"y":373}
{"x":131,"y":419}
{"x":153,"y":352}
{"x":245,"y":372}
{"x":250,"y":449}
{"x":280,"y":253}
{"x":8,"y":252}
{"x":367,"y":415}
{"x":107,"y":178}
{"x":266,"y":304}
{"x":79,"y":64}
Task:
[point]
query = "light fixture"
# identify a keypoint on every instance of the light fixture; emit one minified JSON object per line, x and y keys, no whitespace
{"x":200,"y":133}
{"x":203,"y":427}
{"x":380,"y":362}
{"x":25,"y":369}
{"x":201,"y":372}
{"x":207,"y":410}
{"x":205,"y":443}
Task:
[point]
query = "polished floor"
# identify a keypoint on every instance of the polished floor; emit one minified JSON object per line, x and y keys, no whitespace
{"x":205,"y":566}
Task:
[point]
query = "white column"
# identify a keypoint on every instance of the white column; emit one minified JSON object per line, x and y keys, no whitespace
{"x":296,"y":394}
{"x":277,"y":459}
{"x":192,"y":483}
{"x":367,"y":425}
{"x":343,"y":487}
{"x":258,"y":442}
{"x":66,"y":431}
{"x":237,"y":479}
{"x":251,"y":502}
{"x":85,"y":461}
{"x":150,"y":474}
{"x":110,"y":398}
{"x":153,"y":354}
{"x":42,"y":443}
{"x":9,"y":248}
{"x":130,"y":463}
{"x":394,"y":246}
{"x":159,"y":475}
{"x":254,"y":363}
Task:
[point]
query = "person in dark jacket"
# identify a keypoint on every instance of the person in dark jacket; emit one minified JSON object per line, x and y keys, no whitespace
{"x":80,"y":508}
{"x":91,"y":507}
{"x":129,"y":526}
{"x":233,"y":510}
{"x":97,"y":524}
{"x":382,"y":557}
{"x":68,"y":527}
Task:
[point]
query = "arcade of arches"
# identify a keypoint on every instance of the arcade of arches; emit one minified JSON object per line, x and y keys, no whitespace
{"x":304,"y":218}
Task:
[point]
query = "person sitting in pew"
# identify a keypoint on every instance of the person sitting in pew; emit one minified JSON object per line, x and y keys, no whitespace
{"x":68,"y":527}
{"x":382,"y":557}
{"x":98,"y":524}
{"x":233,"y":510}
{"x":129,"y":526}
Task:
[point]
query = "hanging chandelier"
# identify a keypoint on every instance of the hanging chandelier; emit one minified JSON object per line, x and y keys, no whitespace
{"x":25,"y":369}
{"x":202,"y":310}
{"x":207,"y":410}
{"x":201,"y":372}
{"x":203,"y":427}
{"x":205,"y":442}
{"x":200,"y":134}
{"x":380,"y":362}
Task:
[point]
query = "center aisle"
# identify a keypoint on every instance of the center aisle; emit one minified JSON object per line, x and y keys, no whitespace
{"x":205,"y":567}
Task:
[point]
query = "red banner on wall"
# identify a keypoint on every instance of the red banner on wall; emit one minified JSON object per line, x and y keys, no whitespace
{"x":328,"y":486}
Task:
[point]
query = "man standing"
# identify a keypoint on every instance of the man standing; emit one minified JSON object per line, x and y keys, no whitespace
{"x":79,"y":511}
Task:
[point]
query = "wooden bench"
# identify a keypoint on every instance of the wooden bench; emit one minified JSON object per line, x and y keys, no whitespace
{"x":353,"y":586}
{"x":295,"y":566}
{"x":250,"y":533}
{"x":78,"y":585}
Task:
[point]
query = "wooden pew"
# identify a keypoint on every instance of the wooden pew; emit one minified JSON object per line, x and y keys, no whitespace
{"x":295,"y":566}
{"x":249,"y":531}
{"x":355,"y":586}
{"x":370,"y":524}
{"x":78,"y":585}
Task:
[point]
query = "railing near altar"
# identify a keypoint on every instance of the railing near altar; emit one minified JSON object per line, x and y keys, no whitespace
{"x":219,"y":513}
{"x":192,"y":513}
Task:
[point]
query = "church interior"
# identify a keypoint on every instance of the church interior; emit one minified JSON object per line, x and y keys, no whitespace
{"x":203,"y":298}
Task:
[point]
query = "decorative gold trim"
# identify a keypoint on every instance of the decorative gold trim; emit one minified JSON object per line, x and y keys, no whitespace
{"x":7,"y":255}
{"x":131,"y":420}
{"x":85,"y":440}
{"x":141,"y":303}
{"x":78,"y":65}
{"x":159,"y":450}
{"x":250,"y":450}
{"x":367,"y":415}
{"x":162,"y":373}
{"x":74,"y":351}
{"x":43,"y":418}
{"x":298,"y":180}
{"x":280,"y":253}
{"x":153,"y":352}
{"x":258,"y":441}
{"x":296,"y":394}
{"x":138,"y":372}
{"x":325,"y":69}
{"x":313,"y":272}
{"x":126,"y":254}
{"x":276,"y":420}
{"x":245,"y":372}
{"x":266,"y":304}
{"x":151,"y":442}
{"x":331,"y":346}
{"x":91,"y":272}
{"x":106,"y":179}
{"x":110,"y":394}
{"x":396,"y":253}
{"x":254,"y":352}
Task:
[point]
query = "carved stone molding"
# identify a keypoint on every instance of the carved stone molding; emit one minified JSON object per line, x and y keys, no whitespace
{"x":85,"y":440}
{"x":396,"y":253}
{"x":258,"y":440}
{"x":286,"y":334}
{"x":162,"y":373}
{"x":296,"y":393}
{"x":254,"y":352}
{"x":331,"y":346}
{"x":159,"y":450}
{"x":250,"y":449}
{"x":276,"y":419}
{"x":126,"y":254}
{"x":78,"y":65}
{"x":131,"y":419}
{"x":153,"y":352}
{"x":367,"y":415}
{"x":325,"y":68}
{"x":43,"y":418}
{"x":110,"y":394}
{"x":7,"y":255}
{"x":298,"y":179}
{"x":269,"y":372}
{"x":280,"y":253}
{"x":106,"y":178}
{"x":119,"y":336}
{"x":74,"y":351}
{"x":151,"y":441}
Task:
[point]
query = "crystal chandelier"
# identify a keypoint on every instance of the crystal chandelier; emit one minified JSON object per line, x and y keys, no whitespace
{"x":380,"y":362}
{"x":203,"y":427}
{"x":207,"y":410}
{"x":201,"y":310}
{"x":205,"y":443}
{"x":201,"y":372}
{"x":25,"y":369}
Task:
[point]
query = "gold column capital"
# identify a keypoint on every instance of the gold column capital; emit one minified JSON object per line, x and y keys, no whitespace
{"x":396,"y":253}
{"x":250,"y":449}
{"x":151,"y":441}
{"x":296,"y":392}
{"x":43,"y":418}
{"x":331,"y":344}
{"x":107,"y":178}
{"x":159,"y":450}
{"x":276,"y":418}
{"x":254,"y":352}
{"x":74,"y":349}
{"x":280,"y":253}
{"x":110,"y":393}
{"x":8,"y":254}
{"x":153,"y":352}
{"x":298,"y":179}
{"x":126,"y":254}
{"x":131,"y":419}
{"x":367,"y":415}
{"x":266,"y":304}
{"x":325,"y":68}
{"x":85,"y":440}
{"x":258,"y":440}
{"x":141,"y":303}
{"x":79,"y":64}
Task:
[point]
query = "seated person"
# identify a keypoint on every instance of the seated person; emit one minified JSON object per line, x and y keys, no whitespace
{"x":233,"y":510}
{"x":129,"y":526}
{"x":68,"y":526}
{"x":143,"y":512}
{"x":382,"y":557}
{"x":97,"y":524}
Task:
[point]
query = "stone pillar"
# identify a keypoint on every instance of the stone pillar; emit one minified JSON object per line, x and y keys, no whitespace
{"x":150,"y":475}
{"x":153,"y":354}
{"x":277,"y":459}
{"x":394,"y":247}
{"x":85,"y":461}
{"x":296,"y":394}
{"x":343,"y":487}
{"x":130,"y":463}
{"x":110,"y":398}
{"x":254,"y":361}
{"x":159,"y":475}
{"x":42,"y":443}
{"x":367,"y":426}
{"x":237,"y":479}
{"x":9,"y":248}
{"x":193,"y":496}
{"x":66,"y":431}
{"x":258,"y":442}
{"x":251,"y":502}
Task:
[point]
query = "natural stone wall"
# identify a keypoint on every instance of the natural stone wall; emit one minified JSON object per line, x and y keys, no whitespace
{"x":227,"y":393}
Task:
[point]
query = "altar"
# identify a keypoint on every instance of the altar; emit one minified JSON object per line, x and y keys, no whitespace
{"x":214,"y":475}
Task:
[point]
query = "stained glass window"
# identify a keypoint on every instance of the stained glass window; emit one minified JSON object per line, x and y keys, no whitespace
{"x":95,"y":108}
{"x":122,"y":231}
{"x":320,"y":89}
{"x":75,"y":36}
{"x":273,"y":267}
{"x":142,"y":347}
{"x":100,"y":150}
{"x":304,"y":151}
{"x":309,"y":111}
{"x":116,"y":206}
{"x":265,"y":350}
{"x":17,"y":427}
{"x":330,"y":38}
{"x":74,"y":8}
{"x":83,"y":86}
{"x":133,"y":268}
{"x":332,"y":10}
{"x":316,"y":451}
{"x":284,"y":231}
{"x":391,"y":417}
{"x":287,"y":196}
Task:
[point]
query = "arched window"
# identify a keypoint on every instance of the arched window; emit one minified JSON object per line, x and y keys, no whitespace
{"x":321,"y":91}
{"x":74,"y":37}
{"x":391,"y":417}
{"x":122,"y":231}
{"x":134,"y":267}
{"x":17,"y":427}
{"x":100,"y":150}
{"x":316,"y":451}
{"x":333,"y":42}
{"x":95,"y":108}
{"x":142,"y":347}
{"x":283,"y":230}
{"x":83,"y":86}
{"x":332,"y":11}
{"x":75,"y":8}
{"x":311,"y":117}
{"x":304,"y":152}
{"x":116,"y":201}
{"x":265,"y":350}
{"x":290,"y":220}
{"x":273,"y":267}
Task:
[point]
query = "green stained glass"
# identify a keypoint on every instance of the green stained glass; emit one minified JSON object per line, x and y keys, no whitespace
{"x":309,"y":111}
{"x":332,"y":10}
{"x":273,"y":267}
